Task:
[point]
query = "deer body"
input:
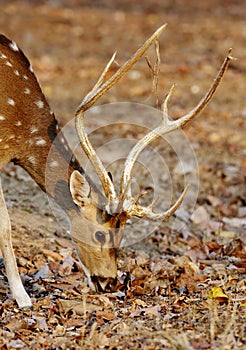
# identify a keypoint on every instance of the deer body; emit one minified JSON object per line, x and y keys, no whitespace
{"x":30,"y":137}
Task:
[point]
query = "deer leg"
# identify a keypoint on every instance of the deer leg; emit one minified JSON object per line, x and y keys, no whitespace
{"x":15,"y":283}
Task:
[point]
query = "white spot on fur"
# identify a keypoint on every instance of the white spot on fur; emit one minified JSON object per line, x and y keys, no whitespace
{"x":11,"y":102}
{"x":2,"y":117}
{"x":6,"y":146}
{"x":30,"y":68}
{"x":16,"y":72}
{"x":33,"y":129}
{"x":53,"y":164}
{"x":27,"y":91}
{"x":29,"y":142}
{"x":1,"y":140}
{"x":9,"y":64}
{"x":14,"y":46}
{"x":18,"y":123}
{"x":40,"y":142}
{"x":25,"y":77}
{"x":11,"y":137}
{"x":32,"y":160}
{"x":39,"y":103}
{"x":3,"y":56}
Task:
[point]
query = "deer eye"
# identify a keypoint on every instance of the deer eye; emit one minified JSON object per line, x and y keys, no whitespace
{"x":100,"y":237}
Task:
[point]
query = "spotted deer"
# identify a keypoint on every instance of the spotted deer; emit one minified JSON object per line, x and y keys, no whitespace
{"x":29,"y":133}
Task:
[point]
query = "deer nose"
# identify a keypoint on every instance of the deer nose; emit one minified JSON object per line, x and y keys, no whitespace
{"x":104,"y":284}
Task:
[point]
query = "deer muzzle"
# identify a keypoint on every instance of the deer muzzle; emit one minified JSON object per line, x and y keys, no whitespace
{"x":102,"y":284}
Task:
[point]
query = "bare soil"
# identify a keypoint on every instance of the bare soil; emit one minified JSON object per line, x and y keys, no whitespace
{"x":187,"y":285}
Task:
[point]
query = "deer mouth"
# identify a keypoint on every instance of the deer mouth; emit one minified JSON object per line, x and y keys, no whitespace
{"x":104,"y":284}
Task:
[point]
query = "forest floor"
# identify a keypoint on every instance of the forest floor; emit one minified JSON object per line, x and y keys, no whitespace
{"x":187,"y":287}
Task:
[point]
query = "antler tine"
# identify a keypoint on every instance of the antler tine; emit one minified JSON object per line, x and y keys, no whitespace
{"x":168,"y":125}
{"x":101,"y":79}
{"x":141,"y":145}
{"x":90,"y":98}
{"x":165,"y":104}
{"x":99,"y":89}
{"x":87,"y":146}
{"x":147,"y":212}
{"x":181,"y":122}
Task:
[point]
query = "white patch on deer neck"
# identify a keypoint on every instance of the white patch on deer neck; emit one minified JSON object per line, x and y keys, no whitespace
{"x":9,"y":64}
{"x":39,"y":104}
{"x":14,"y":46}
{"x":40,"y":142}
{"x":33,"y":129}
{"x":32,"y":160}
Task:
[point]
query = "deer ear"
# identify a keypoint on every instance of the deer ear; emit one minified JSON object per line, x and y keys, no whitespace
{"x":79,"y":188}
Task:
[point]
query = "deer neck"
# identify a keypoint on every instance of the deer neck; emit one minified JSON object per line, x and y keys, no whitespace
{"x":51,"y":166}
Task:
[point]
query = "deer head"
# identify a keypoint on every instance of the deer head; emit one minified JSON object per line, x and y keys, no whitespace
{"x":104,"y":222}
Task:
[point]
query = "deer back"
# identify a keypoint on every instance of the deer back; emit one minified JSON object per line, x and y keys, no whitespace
{"x":27,"y":126}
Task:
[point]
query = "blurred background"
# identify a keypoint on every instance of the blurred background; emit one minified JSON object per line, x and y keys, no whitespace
{"x":69,"y":42}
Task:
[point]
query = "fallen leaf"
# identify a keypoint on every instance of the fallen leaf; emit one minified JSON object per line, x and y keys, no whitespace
{"x":75,"y":322}
{"x":78,"y":307}
{"x":140,"y":302}
{"x":152,"y":310}
{"x":235,"y":222}
{"x":142,"y":258}
{"x":41,"y":323}
{"x":52,"y":255}
{"x":215,"y":201}
{"x":213,"y":248}
{"x":43,"y":273}
{"x":17,"y":344}
{"x":105,"y":315}
{"x":200,"y":217}
{"x":227,"y":234}
{"x":235,"y":248}
{"x":218,"y":294}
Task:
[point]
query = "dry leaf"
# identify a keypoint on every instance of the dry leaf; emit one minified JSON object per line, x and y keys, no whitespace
{"x":200,"y":217}
{"x":105,"y":315}
{"x":78,"y":307}
{"x":152,"y":310}
{"x":218,"y":294}
{"x":43,"y":273}
{"x":52,"y":255}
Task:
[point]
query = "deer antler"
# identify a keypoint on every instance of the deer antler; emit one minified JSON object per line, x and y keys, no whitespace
{"x":124,"y":201}
{"x":98,"y":90}
{"x":167,"y":125}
